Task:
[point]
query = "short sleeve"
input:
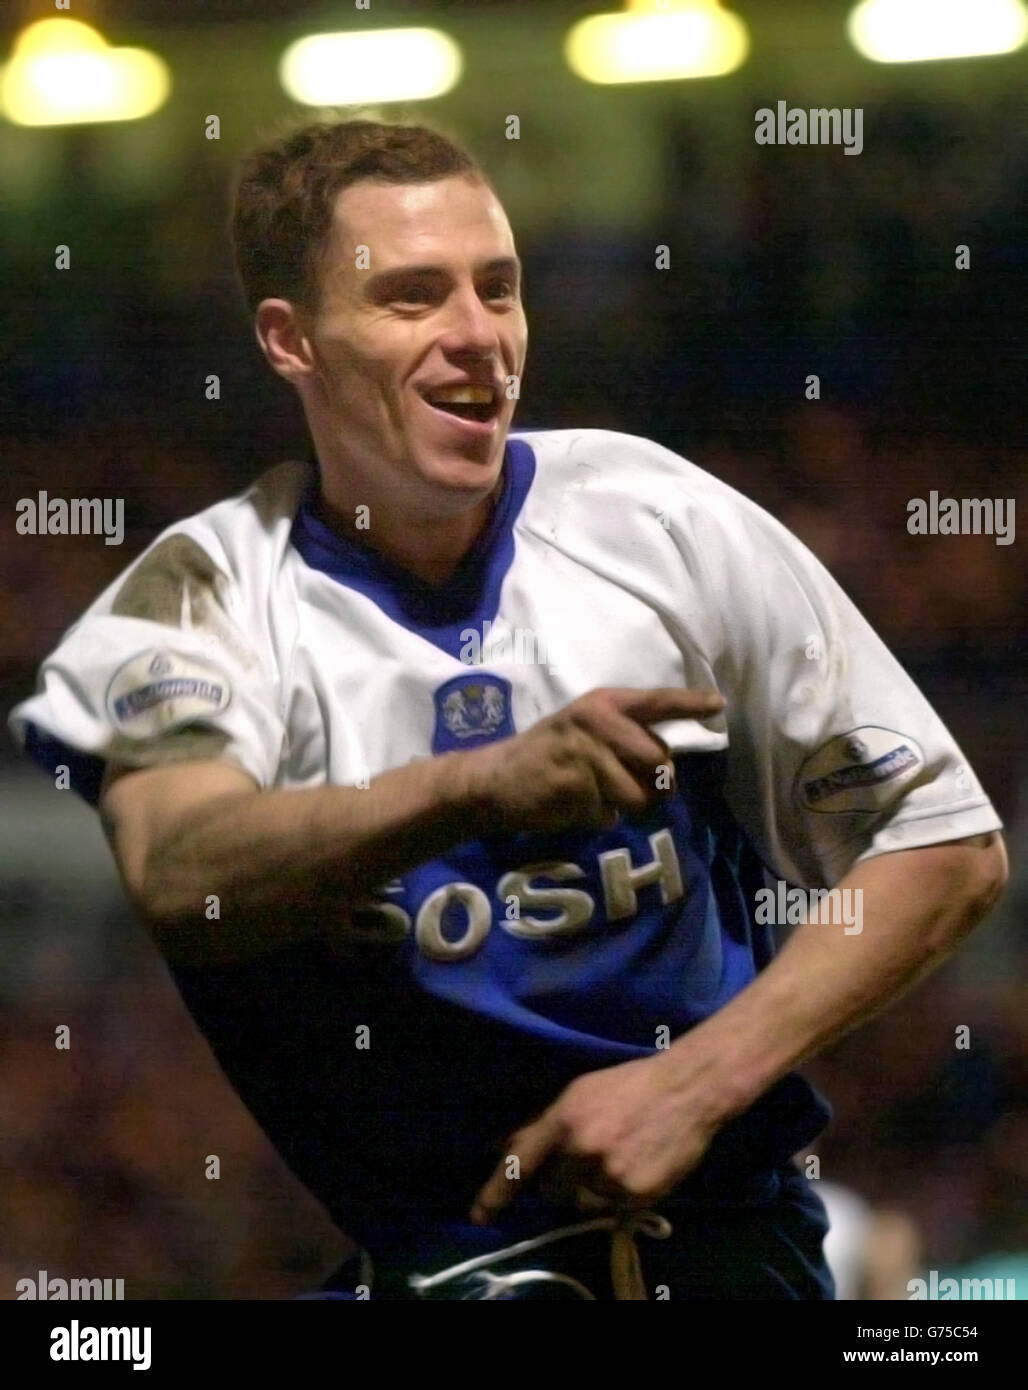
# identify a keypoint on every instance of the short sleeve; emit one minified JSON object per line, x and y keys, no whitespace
{"x":160,"y":669}
{"x":834,"y":754}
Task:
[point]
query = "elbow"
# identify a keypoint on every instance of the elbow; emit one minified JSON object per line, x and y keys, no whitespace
{"x":146,"y":874}
{"x":146,"y":889}
{"x":995,"y":873}
{"x":168,"y":908}
{"x":984,"y":873}
{"x":177,"y":934}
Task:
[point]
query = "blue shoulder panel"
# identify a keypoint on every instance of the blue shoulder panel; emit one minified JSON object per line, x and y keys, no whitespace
{"x":439,"y":614}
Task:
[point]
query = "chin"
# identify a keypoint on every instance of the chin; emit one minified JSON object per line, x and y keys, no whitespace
{"x":461,"y":473}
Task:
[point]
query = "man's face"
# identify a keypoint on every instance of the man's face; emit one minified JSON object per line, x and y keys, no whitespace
{"x":438,"y":305}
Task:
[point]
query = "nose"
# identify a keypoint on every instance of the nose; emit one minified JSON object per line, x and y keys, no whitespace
{"x":470,"y":328}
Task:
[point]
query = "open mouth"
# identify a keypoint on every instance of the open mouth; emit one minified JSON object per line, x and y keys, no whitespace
{"x":469,"y":403}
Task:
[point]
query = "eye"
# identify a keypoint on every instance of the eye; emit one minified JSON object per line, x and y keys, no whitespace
{"x":416,"y":294}
{"x":505,"y":287}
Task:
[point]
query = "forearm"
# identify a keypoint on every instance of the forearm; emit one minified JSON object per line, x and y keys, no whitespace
{"x":917,"y":907}
{"x":284,"y":864}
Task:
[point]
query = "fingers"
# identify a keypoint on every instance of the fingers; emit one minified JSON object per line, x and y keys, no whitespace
{"x":530,"y":1146}
{"x":621,"y":719}
{"x":635,"y":748}
{"x":625,"y":755}
{"x":668,"y":702}
{"x":578,"y":1180}
{"x":617,"y":788}
{"x":566,"y":1179}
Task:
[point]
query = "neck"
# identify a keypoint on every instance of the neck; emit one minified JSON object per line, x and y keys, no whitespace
{"x":430,"y":549}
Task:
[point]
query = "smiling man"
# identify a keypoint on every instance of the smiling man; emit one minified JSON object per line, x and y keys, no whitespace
{"x":409,"y":364}
{"x":478,"y":940}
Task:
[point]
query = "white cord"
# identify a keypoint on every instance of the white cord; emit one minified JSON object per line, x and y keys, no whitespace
{"x":498,"y":1284}
{"x":649,"y":1223}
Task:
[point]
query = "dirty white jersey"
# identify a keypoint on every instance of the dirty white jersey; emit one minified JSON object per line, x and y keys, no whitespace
{"x":254,"y":632}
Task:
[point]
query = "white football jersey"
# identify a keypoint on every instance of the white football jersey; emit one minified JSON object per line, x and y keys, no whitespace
{"x":254,"y":632}
{"x":610,"y":561}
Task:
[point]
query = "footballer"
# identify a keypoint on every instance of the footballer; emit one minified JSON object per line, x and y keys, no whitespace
{"x":469,"y":920}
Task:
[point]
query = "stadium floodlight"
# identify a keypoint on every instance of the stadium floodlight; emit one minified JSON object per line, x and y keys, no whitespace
{"x":63,"y":72}
{"x":372,"y":66}
{"x":657,"y":41}
{"x":914,"y":31}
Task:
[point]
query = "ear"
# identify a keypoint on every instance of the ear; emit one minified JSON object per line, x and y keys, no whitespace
{"x":281,"y":337}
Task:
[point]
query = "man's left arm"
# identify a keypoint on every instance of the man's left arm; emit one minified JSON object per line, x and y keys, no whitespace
{"x":643,"y":1126}
{"x":917,"y":907}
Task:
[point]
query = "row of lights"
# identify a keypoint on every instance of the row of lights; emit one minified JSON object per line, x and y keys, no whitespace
{"x":62,"y":71}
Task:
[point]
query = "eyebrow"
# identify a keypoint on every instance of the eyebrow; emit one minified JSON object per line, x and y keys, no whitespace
{"x":384,"y":278}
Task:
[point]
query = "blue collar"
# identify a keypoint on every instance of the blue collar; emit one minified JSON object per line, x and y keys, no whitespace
{"x":438,"y":613}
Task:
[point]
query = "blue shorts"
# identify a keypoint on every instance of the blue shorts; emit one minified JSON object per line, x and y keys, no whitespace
{"x":760,"y":1238}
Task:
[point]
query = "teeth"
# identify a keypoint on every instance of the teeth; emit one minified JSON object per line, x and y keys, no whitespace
{"x":463,"y":395}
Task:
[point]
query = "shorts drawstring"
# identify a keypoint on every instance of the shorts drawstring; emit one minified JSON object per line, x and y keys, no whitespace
{"x":625,"y":1265}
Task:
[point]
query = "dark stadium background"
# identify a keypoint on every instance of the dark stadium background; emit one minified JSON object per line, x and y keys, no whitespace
{"x":785,"y":261}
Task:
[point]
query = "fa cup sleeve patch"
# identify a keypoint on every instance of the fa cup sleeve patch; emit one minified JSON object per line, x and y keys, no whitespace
{"x":158,"y":690}
{"x":862,"y":770}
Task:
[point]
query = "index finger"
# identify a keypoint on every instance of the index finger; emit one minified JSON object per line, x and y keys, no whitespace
{"x":530,"y":1146}
{"x":669,"y":702}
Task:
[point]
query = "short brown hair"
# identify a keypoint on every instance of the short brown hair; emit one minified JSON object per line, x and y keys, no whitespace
{"x":286,"y":193}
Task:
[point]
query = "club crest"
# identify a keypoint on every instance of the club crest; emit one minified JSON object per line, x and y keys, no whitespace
{"x":471,"y":709}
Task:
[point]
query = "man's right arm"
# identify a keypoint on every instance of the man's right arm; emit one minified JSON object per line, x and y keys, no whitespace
{"x":284,"y":865}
